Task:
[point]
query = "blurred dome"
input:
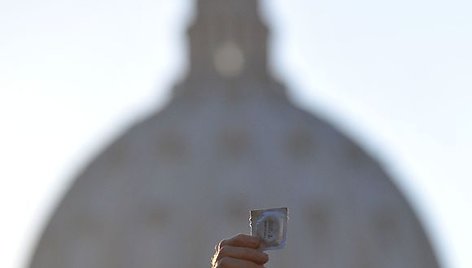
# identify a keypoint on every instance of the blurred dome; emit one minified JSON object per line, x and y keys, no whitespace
{"x":230,"y":140}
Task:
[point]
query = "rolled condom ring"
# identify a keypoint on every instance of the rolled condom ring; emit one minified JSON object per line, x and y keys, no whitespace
{"x":269,"y":225}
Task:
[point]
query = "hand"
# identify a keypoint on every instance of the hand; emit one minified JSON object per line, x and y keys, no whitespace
{"x":240,"y":251}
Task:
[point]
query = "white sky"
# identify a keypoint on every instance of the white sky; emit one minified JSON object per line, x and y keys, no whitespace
{"x":393,"y":75}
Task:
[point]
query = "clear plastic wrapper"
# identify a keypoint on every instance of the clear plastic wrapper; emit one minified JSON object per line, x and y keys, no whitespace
{"x":270,"y":225}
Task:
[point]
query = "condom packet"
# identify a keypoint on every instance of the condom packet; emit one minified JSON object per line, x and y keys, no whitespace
{"x":270,"y":225}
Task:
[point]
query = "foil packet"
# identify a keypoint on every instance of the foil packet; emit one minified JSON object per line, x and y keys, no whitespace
{"x":270,"y":225}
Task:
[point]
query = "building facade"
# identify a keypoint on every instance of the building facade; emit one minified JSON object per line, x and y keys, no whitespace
{"x":230,"y":140}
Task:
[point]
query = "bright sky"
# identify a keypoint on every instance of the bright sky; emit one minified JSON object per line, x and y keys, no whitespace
{"x":394,"y":75}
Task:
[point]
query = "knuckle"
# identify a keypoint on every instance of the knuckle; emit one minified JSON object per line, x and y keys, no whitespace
{"x":221,"y":244}
{"x":222,"y":253}
{"x":223,"y":262}
{"x":223,"y":250}
{"x":239,"y":237}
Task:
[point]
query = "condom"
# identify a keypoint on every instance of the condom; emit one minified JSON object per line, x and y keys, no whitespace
{"x":269,"y":225}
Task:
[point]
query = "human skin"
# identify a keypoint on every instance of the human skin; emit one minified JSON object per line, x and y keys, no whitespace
{"x":239,"y":251}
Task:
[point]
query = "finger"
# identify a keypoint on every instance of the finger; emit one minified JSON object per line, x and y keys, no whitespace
{"x":228,"y":262}
{"x":248,"y":254}
{"x":240,"y":240}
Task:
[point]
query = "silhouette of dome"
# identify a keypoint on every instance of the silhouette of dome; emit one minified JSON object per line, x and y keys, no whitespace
{"x":170,"y":187}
